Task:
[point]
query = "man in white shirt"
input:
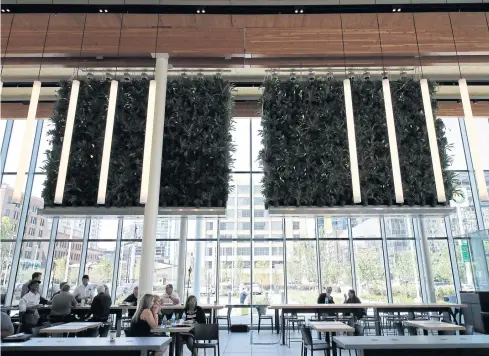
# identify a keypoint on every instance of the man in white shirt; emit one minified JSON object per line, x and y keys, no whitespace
{"x":170,"y":296}
{"x":84,"y":290}
{"x":28,"y":306}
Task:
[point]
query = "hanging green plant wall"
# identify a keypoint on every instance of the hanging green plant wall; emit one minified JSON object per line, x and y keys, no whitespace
{"x":196,"y":163}
{"x":305,"y":145}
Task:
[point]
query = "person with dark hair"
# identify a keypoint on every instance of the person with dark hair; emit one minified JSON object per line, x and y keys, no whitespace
{"x":28,"y":306}
{"x":193,"y":313}
{"x":7,"y":328}
{"x":100,"y":309}
{"x":84,"y":290}
{"x":36,"y":276}
{"x":60,"y":289}
{"x":132,"y":299}
{"x":62,"y":304}
{"x":353,"y":299}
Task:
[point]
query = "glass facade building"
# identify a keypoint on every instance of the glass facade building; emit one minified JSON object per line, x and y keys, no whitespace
{"x":386,"y":259}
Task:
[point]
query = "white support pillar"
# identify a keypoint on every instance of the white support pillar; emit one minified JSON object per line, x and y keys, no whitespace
{"x":182,"y":257}
{"x":198,"y":260}
{"x":148,"y":243}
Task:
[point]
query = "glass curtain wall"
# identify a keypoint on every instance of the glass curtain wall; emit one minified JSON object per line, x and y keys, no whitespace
{"x":246,"y":257}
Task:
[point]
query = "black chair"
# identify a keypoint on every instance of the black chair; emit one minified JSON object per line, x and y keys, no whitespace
{"x":469,"y":330}
{"x":262,"y":316}
{"x":399,"y":329}
{"x":359,"y":331}
{"x":225,"y":317}
{"x":309,"y":344}
{"x":412,"y":331}
{"x":203,"y":333}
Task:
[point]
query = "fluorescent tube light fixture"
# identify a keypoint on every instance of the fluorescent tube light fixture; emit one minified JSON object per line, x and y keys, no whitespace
{"x":352,"y":145}
{"x":65,"y":150}
{"x":435,"y":154}
{"x":148,"y":140}
{"x":28,"y":143}
{"x":471,"y":134}
{"x":391,"y":129}
{"x":109,"y":129}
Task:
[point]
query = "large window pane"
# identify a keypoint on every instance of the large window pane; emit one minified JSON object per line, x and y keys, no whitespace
{"x":300,"y":228}
{"x":398,"y":226}
{"x":7,"y":252}
{"x":44,"y":145}
{"x":10,"y":211}
{"x":66,"y":264}
{"x":132,"y":228}
{"x":166,"y":265}
{"x":332,"y":226}
{"x":454,"y":138}
{"x":433,"y":227}
{"x":129,"y":267}
{"x":464,"y":264}
{"x":482,"y":136}
{"x":302,"y":276}
{"x":365,"y":227}
{"x":441,"y":268}
{"x":3,"y":124}
{"x":370,"y":271}
{"x":404,"y":271}
{"x":256,"y":143}
{"x":241,"y":138}
{"x":100,"y":263}
{"x":202,"y":258}
{"x":335,"y":267}
{"x":15,"y":146}
{"x":103,"y":229}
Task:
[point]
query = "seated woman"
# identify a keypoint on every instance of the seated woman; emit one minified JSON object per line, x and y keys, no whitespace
{"x":192,"y":313}
{"x":353,"y":299}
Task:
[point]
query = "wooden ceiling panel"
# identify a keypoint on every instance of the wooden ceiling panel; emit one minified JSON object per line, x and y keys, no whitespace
{"x":102,"y":35}
{"x":138,"y":35}
{"x":452,"y":108}
{"x":28,"y":33}
{"x":246,"y":21}
{"x":434,"y":33}
{"x":5,"y":23}
{"x":201,"y":42}
{"x":398,"y":36}
{"x":283,"y":42}
{"x":289,"y":21}
{"x":213,"y":21}
{"x":65,"y":34}
{"x":361,"y":35}
{"x":322,"y":21}
{"x":470,"y":31}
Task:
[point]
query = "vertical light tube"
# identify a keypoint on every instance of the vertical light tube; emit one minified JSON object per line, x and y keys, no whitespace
{"x":435,"y":154}
{"x":469,"y":125}
{"x":391,"y":130}
{"x":28,"y":143}
{"x":150,"y":115}
{"x":352,"y":144}
{"x":65,"y":150}
{"x":109,"y":129}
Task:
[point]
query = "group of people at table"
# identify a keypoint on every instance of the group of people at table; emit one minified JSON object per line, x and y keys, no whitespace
{"x":149,"y":314}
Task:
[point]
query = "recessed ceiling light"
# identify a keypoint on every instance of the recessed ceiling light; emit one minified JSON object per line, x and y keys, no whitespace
{"x":399,"y":10}
{"x":8,"y":10}
{"x":3,"y":10}
{"x":393,"y":10}
{"x":100,"y":10}
{"x":106,"y":10}
{"x":302,"y":11}
{"x":203,"y":11}
{"x":296,"y":11}
{"x":198,"y":11}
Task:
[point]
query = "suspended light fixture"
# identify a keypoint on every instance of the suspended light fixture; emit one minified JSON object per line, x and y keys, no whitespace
{"x":29,"y":132}
{"x":150,"y":115}
{"x":350,"y":124}
{"x":109,"y":129}
{"x":148,"y":139}
{"x":430,"y":126}
{"x":68,"y":135}
{"x":391,"y":127}
{"x":470,"y":128}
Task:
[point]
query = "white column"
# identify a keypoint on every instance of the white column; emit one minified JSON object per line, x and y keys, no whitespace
{"x":198,"y":259}
{"x":151,"y":208}
{"x":182,"y":256}
{"x":428,"y":272}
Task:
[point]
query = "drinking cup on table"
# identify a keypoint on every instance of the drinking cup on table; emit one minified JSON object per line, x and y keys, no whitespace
{"x":112,"y":335}
{"x":82,"y":302}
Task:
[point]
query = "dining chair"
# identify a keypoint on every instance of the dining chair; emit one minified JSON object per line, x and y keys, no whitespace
{"x":469,"y":330}
{"x":262,"y":316}
{"x":226,"y":317}
{"x":399,"y":329}
{"x":206,"y":336}
{"x":309,"y":344}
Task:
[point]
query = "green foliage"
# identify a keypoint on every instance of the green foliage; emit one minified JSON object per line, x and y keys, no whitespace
{"x":197,"y":146}
{"x":305,"y":144}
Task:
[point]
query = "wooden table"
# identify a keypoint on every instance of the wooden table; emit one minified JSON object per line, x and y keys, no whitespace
{"x":98,"y":346}
{"x":433,"y":325}
{"x":69,"y":328}
{"x":377,"y":308}
{"x":208,"y":308}
{"x":174,"y":332}
{"x":330,"y":327}
{"x":446,"y":345}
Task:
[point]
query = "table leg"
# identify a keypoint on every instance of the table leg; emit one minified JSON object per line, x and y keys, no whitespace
{"x":277,"y":322}
{"x":425,"y":332}
{"x":377,"y":322}
{"x":118,"y":323}
{"x":282,"y":326}
{"x":333,"y":344}
{"x":178,"y":347}
{"x":172,"y":345}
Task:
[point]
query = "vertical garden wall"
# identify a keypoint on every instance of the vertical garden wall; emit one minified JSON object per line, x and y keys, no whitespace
{"x":305,"y":145}
{"x":197,"y":143}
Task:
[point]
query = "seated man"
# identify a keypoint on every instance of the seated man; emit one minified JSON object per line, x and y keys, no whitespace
{"x":133,"y":299}
{"x":62,"y":303}
{"x":60,"y":288}
{"x":100,"y":309}
{"x":169,"y":297}
{"x":28,"y":305}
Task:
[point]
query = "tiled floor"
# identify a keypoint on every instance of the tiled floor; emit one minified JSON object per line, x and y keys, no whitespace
{"x":252,"y":343}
